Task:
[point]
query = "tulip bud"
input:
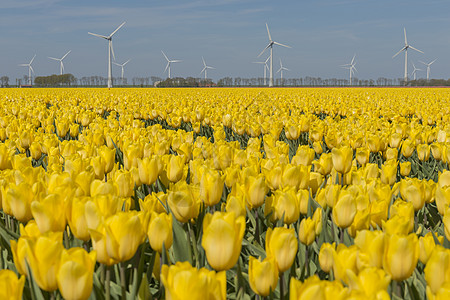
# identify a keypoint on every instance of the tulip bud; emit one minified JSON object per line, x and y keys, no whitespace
{"x":175,"y":168}
{"x":263,"y":275}
{"x":405,"y":168}
{"x":75,"y":273}
{"x":10,"y":286}
{"x":211,"y":187}
{"x":401,"y":254}
{"x":389,"y":172}
{"x":282,"y":244}
{"x":326,"y":256}
{"x":437,"y":269}
{"x":256,"y":189}
{"x":423,"y":152}
{"x":184,"y":201}
{"x":345,"y":209}
{"x":311,"y":288}
{"x":285,"y":203}
{"x":149,"y":169}
{"x":160,"y":231}
{"x":307,"y":231}
{"x":222,"y":231}
{"x":427,"y":245}
{"x":342,"y":159}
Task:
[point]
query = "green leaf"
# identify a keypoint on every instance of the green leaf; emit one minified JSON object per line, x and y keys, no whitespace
{"x":36,"y":293}
{"x":144,"y":290}
{"x":181,"y":245}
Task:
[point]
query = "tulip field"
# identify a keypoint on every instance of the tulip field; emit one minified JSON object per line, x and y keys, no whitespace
{"x":311,"y":193}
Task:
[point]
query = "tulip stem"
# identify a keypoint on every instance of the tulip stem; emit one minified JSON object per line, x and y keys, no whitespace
{"x":122,"y":280}
{"x":191,"y":234}
{"x":281,"y":286}
{"x":66,"y":239}
{"x":258,"y":240}
{"x":107,"y":283}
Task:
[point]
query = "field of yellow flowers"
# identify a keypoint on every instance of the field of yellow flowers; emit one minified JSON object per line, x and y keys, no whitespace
{"x":225,"y":194}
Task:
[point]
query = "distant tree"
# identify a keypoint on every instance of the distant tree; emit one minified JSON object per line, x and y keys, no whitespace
{"x":4,"y":81}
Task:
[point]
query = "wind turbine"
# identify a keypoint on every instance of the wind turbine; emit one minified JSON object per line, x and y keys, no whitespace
{"x":351,"y":67}
{"x":30,"y":69}
{"x":205,"y":68}
{"x":266,"y":67}
{"x":270,"y":45}
{"x":61,"y":67}
{"x":110,"y":50}
{"x":428,"y":68}
{"x":168,"y":63}
{"x":121,"y":65}
{"x":281,"y":70}
{"x":415,"y":71}
{"x":405,"y":48}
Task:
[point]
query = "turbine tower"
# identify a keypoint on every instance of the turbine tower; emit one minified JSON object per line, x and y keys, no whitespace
{"x":428,"y":68}
{"x":266,"y":67}
{"x":205,"y":68}
{"x":405,"y":48}
{"x":61,"y":65}
{"x":270,"y":45}
{"x":122,"y":65}
{"x":281,"y":70}
{"x":168,"y":63}
{"x":30,"y":69}
{"x":415,"y":71}
{"x":110,"y":51}
{"x":351,"y":67}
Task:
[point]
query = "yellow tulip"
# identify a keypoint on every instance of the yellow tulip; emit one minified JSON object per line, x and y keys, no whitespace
{"x":160,"y":231}
{"x":442,"y":294}
{"x":312,"y":288}
{"x":175,"y":168}
{"x":304,"y":156}
{"x":103,"y":188}
{"x":307,"y":231}
{"x":324,"y":165}
{"x":315,"y":181}
{"x":84,"y":180}
{"x":284,"y":203}
{"x":44,"y":257}
{"x":427,"y":245}
{"x":326,"y":256}
{"x":263,"y":275}
{"x":272,"y":174}
{"x":108,"y":155}
{"x":437,"y":150}
{"x":98,"y":165}
{"x":344,"y":211}
{"x":446,"y":221}
{"x":369,"y":281}
{"x":407,"y":148}
{"x":344,"y":258}
{"x":11,"y":287}
{"x":413,"y":190}
{"x":124,"y":234}
{"x":149,"y":169}
{"x":76,"y":217}
{"x":5,"y":157}
{"x":49,"y":213}
{"x":282,"y":244}
{"x":437,"y":269}
{"x":342,"y":159}
{"x":423,"y":152}
{"x":19,"y":198}
{"x":396,"y":225}
{"x":222,"y":239}
{"x":236,"y":204}
{"x":75,"y":273}
{"x":360,"y":222}
{"x":125,"y":182}
{"x":389,"y":172}
{"x":182,"y":281}
{"x":362,"y":156}
{"x":255,"y":189}
{"x":154,"y":202}
{"x":98,"y":237}
{"x":371,"y":248}
{"x":295,"y":176}
{"x":401,"y":254}
{"x":184,"y":201}
{"x":99,"y":208}
{"x":35,"y":150}
{"x":405,"y":168}
{"x":211,"y":187}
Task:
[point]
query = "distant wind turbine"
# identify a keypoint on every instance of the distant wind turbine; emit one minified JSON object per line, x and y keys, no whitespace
{"x":428,"y":68}
{"x":61,"y":65}
{"x":205,"y":68}
{"x":405,"y":48}
{"x":122,"y":65}
{"x":266,"y":67}
{"x":351,"y":67}
{"x":30,"y":69}
{"x":270,"y":45}
{"x":168,"y":63}
{"x":415,"y":71}
{"x":110,"y":51}
{"x":281,"y":70}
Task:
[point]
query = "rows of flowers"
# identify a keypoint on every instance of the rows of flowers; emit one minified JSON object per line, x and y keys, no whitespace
{"x":225,"y":194}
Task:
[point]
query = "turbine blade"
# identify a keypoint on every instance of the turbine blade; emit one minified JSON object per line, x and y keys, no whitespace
{"x":258,"y":62}
{"x":165,"y":55}
{"x":415,"y":49}
{"x":176,"y":60}
{"x":203,"y":61}
{"x":399,"y":52}
{"x":120,"y":26}
{"x":208,"y":67}
{"x":66,"y":54}
{"x":354,"y":68}
{"x":31,"y":69}
{"x":112,"y":50}
{"x":126,"y":62}
{"x":423,"y":62}
{"x":268,"y":32}
{"x":167,"y":66}
{"x":203,"y":70}
{"x":53,"y":58}
{"x":353,"y":59}
{"x":116,"y":64}
{"x":279,"y":70}
{"x":279,"y":44}
{"x":286,"y":69}
{"x":23,"y":65}
{"x":406,"y":41}
{"x":32,"y":59}
{"x":267,"y":59}
{"x":433,"y":62}
{"x":98,"y":35}
{"x":264,"y":50}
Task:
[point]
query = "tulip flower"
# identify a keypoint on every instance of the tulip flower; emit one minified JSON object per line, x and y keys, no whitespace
{"x":396,"y":225}
{"x":307,"y":231}
{"x":405,"y":210}
{"x":312,"y":288}
{"x":362,"y":156}
{"x":295,"y":176}
{"x":263,"y":275}
{"x":99,"y":208}
{"x":124,"y":234}
{"x":401,"y":254}
{"x":160,"y":231}
{"x":344,"y":258}
{"x":344,"y":211}
{"x":49,"y":213}
{"x":182,"y":281}
{"x":389,"y":172}
{"x":98,"y":237}
{"x":211,"y":187}
{"x":360,"y":222}
{"x":184,"y":201}
{"x":76,"y":217}
{"x":18,"y":199}
{"x":108,"y":155}
{"x":407,"y":148}
{"x":370,"y":282}
{"x":437,"y":269}
{"x":44,"y":259}
{"x":154,"y":202}
{"x":255,"y":189}
{"x":11,"y":287}
{"x":413,"y":190}
{"x":326,"y":256}
{"x":75,"y":273}
{"x":282,"y":244}
{"x":175,"y":168}
{"x":405,"y":168}
{"x":304,"y":156}
{"x":222,"y":239}
{"x":371,"y":247}
{"x":342,"y":159}
{"x":423,"y":152}
{"x":284,"y":203}
{"x":236,"y":204}
{"x":324,"y":165}
{"x":125,"y":183}
{"x":427,"y":245}
{"x":5,"y":157}
{"x":149,"y":169}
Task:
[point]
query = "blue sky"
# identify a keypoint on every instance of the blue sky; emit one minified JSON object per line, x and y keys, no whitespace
{"x":324,"y":34}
